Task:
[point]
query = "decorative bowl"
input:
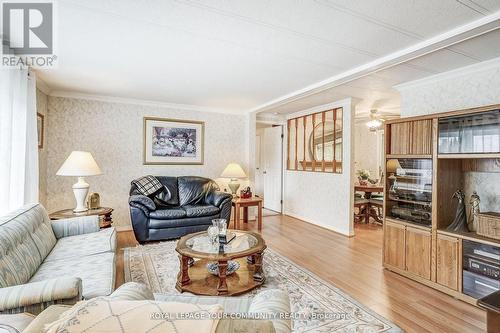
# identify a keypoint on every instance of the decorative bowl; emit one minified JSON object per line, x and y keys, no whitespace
{"x":232,"y":266}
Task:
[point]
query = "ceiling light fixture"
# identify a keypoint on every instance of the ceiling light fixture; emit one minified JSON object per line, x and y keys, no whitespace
{"x":374,"y":124}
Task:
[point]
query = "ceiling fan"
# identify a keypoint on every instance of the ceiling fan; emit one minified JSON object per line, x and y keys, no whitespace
{"x":376,"y":122}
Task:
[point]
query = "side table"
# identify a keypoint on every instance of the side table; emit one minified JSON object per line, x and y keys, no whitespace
{"x":239,"y":203}
{"x":105,"y":212}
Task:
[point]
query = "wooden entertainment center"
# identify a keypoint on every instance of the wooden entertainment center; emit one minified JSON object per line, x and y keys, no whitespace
{"x":427,"y":160}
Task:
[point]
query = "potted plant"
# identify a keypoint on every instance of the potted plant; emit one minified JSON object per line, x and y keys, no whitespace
{"x":363,"y":176}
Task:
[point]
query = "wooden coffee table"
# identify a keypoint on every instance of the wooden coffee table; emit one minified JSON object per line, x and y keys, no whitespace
{"x":247,"y":248}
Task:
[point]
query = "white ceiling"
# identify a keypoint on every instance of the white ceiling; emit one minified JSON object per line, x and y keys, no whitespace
{"x":375,"y":91}
{"x":237,"y":55}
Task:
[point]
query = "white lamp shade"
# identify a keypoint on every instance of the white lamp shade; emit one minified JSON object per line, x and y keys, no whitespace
{"x":79,"y":164}
{"x":233,"y":170}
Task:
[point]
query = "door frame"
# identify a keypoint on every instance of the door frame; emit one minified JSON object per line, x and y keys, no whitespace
{"x":282,"y":171}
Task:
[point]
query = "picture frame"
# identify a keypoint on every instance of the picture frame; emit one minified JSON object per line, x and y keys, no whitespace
{"x":173,"y":141}
{"x":40,"y":128}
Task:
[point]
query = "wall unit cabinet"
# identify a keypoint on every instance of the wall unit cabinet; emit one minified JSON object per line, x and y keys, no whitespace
{"x":426,"y":159}
{"x":394,"y":245}
{"x":447,"y":262}
{"x":418,"y":252}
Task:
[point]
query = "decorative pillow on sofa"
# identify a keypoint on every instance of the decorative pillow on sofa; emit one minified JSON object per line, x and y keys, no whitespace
{"x":104,"y":315}
{"x":147,"y":185}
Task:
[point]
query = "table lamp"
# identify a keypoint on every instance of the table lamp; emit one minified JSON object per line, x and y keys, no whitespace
{"x":233,"y":171}
{"x":79,"y":164}
{"x":392,"y":168}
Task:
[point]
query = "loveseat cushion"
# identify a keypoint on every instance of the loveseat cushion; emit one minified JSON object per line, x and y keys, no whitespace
{"x":168,"y":214}
{"x":96,"y":271}
{"x":200,"y":210}
{"x":26,"y":238}
{"x":170,"y":187}
{"x":84,"y":245}
{"x":193,"y":190}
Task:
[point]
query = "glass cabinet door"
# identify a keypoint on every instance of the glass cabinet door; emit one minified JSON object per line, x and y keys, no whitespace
{"x":409,"y":190}
{"x":476,"y":133}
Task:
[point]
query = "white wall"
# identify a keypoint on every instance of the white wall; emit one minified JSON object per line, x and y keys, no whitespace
{"x":324,"y":199}
{"x":367,"y":149}
{"x":466,"y":87}
{"x":113,"y":133}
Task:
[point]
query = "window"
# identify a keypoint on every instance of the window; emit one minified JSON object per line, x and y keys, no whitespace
{"x":315,"y":142}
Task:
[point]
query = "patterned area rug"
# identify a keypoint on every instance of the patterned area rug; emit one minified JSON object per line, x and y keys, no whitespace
{"x":157,"y":265}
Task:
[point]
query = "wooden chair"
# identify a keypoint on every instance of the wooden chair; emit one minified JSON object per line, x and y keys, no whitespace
{"x":362,"y":205}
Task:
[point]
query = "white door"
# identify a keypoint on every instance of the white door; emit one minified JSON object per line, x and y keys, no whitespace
{"x":271,"y":163}
{"x":258,"y":168}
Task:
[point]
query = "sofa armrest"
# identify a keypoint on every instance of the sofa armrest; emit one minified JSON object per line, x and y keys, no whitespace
{"x":274,"y":301}
{"x":142,"y":202}
{"x":36,"y":296}
{"x":217,"y":198}
{"x":75,"y":226}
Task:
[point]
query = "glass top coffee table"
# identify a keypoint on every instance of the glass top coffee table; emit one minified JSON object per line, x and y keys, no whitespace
{"x":246,"y":248}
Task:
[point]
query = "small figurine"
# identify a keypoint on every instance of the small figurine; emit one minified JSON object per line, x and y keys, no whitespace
{"x":474,"y":210}
{"x":460,"y":222}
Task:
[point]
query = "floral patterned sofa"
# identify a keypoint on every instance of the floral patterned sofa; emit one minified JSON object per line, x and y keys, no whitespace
{"x":44,"y":262}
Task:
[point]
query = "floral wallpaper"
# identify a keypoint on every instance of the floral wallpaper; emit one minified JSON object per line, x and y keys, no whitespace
{"x":113,"y":133}
{"x":461,"y":91}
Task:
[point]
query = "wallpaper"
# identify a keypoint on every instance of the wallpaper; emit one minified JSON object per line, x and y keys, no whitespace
{"x":113,"y":133}
{"x":41,"y":107}
{"x":464,"y":91}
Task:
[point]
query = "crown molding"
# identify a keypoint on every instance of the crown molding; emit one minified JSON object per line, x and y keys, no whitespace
{"x":459,"y":34}
{"x":462,"y":71}
{"x":42,"y":86}
{"x":142,"y":102}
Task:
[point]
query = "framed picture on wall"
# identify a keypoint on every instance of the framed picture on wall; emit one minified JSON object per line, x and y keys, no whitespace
{"x":173,"y":141}
{"x":40,"y":129}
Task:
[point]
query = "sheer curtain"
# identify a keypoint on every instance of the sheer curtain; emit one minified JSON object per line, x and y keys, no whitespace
{"x":18,"y":139}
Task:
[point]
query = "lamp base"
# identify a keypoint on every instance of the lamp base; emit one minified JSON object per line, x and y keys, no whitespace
{"x":234,"y":186}
{"x":80,"y":190}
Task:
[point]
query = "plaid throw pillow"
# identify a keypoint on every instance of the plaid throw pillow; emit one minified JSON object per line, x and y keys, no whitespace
{"x":147,"y":185}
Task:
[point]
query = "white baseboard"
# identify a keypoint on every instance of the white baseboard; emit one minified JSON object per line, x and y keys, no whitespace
{"x":318,"y":224}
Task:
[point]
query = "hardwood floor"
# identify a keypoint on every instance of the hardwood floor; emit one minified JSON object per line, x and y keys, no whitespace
{"x":354,"y":265}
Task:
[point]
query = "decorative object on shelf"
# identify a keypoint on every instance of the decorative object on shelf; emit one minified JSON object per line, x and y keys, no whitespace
{"x":232,"y":266}
{"x":460,"y":222}
{"x":80,"y":164}
{"x":246,"y":193}
{"x":363,"y":176}
{"x":233,"y":171}
{"x":375,"y":123}
{"x":40,"y":129}
{"x":94,"y":201}
{"x":173,"y":141}
{"x":474,"y":210}
{"x":392,"y":168}
{"x":488,"y":225}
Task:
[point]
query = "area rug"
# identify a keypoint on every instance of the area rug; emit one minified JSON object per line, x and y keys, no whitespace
{"x":157,"y":265}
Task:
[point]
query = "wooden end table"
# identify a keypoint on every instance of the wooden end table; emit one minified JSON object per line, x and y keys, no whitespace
{"x":239,"y":203}
{"x":105,"y":212}
{"x":247,"y":248}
